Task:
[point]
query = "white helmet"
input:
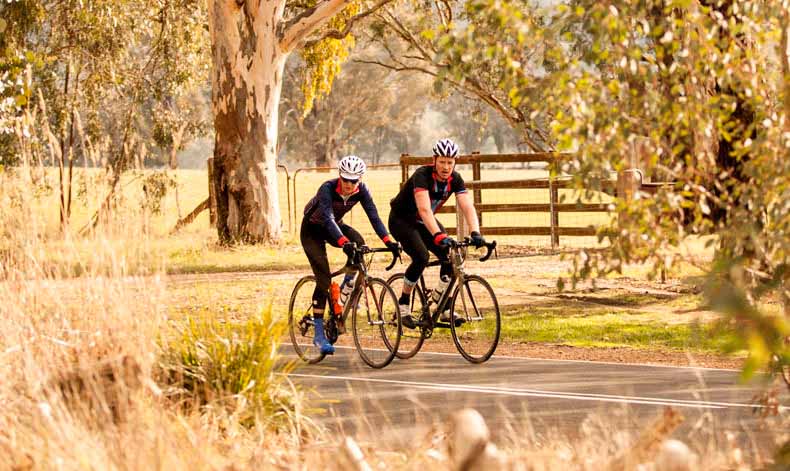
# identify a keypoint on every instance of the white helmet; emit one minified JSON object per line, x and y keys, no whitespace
{"x":351,"y":167}
{"x":445,"y":148}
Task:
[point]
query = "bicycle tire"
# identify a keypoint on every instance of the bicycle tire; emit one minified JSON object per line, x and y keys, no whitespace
{"x":371,"y":315}
{"x":482,"y":329}
{"x":309,"y":353}
{"x":411,"y":339}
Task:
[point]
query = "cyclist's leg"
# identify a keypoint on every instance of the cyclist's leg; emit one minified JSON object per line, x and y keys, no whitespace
{"x":314,"y":245}
{"x":445,"y":269}
{"x":352,"y":234}
{"x":407,"y":233}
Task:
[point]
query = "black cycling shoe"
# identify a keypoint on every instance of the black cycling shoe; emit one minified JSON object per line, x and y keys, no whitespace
{"x":406,"y":319}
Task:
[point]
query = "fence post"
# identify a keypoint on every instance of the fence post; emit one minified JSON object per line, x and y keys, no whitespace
{"x":212,"y":196}
{"x":404,"y":169}
{"x":296,"y":172}
{"x":287,"y":191}
{"x":629,"y":180}
{"x":477,"y":192}
{"x":554,"y":215}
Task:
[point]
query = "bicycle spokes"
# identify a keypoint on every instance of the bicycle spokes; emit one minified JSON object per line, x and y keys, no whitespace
{"x":475,"y":303}
{"x":473,"y":313}
{"x":300,"y":319}
{"x":376,"y":338}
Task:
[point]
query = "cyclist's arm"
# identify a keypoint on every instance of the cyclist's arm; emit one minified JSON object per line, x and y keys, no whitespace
{"x":373,"y":214}
{"x":325,"y":207}
{"x":467,"y":206}
{"x":423,"y":201}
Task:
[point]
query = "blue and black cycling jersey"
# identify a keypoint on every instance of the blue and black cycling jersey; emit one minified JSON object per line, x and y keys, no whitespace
{"x":404,"y":205}
{"x":328,"y":207}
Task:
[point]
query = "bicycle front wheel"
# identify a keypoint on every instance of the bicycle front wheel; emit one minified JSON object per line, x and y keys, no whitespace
{"x":412,"y":339}
{"x":300,"y":321}
{"x":376,"y":323}
{"x":476,"y":324}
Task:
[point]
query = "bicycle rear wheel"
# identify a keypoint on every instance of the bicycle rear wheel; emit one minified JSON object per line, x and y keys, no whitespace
{"x":476,"y":332}
{"x":376,"y":323}
{"x":411,"y":340}
{"x":300,"y":321}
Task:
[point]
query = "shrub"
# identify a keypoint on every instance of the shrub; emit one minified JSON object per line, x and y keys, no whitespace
{"x":235,"y":365}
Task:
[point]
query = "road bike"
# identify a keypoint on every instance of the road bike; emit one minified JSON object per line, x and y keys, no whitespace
{"x":471,"y":300}
{"x":372,"y":305}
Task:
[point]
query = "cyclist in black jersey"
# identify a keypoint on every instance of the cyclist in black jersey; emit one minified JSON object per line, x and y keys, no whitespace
{"x":322,"y":224}
{"x":412,"y":220}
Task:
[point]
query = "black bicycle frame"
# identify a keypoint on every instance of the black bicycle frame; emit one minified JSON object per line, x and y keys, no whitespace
{"x":357,"y":264}
{"x":441,"y":305}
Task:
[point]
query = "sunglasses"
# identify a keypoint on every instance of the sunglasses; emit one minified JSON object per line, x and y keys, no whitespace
{"x":350,"y":180}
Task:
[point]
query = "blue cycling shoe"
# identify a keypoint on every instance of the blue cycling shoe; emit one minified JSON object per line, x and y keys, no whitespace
{"x":320,"y":340}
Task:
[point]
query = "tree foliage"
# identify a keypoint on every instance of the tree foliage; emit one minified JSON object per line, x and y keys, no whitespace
{"x":97,"y":73}
{"x":693,"y":92}
{"x":455,"y":43}
{"x":324,"y":58}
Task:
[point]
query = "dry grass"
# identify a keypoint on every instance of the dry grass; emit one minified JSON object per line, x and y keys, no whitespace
{"x":79,"y":358}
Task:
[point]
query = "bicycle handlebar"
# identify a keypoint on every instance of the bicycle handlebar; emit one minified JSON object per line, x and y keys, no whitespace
{"x":364,"y":249}
{"x":490,"y":247}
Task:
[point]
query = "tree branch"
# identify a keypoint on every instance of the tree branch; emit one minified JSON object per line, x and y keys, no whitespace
{"x":407,"y":36}
{"x":190,"y":217}
{"x":337,"y":34}
{"x":398,"y":68}
{"x":307,"y":22}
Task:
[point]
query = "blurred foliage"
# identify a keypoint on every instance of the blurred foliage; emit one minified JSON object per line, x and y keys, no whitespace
{"x":455,"y":42}
{"x":695,"y":93}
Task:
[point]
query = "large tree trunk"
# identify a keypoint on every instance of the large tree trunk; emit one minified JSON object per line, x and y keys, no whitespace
{"x":246,"y":84}
{"x":250,"y":43}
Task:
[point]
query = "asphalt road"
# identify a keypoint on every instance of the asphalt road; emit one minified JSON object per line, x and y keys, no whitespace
{"x":520,"y":395}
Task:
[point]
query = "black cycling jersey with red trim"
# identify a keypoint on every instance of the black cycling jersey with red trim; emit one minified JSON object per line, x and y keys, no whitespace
{"x":328,"y":207}
{"x":404,"y":205}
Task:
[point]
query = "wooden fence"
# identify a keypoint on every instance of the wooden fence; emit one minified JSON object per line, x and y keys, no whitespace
{"x":628,"y":182}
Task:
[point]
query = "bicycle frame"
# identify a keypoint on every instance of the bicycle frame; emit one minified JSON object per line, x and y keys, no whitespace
{"x":457,"y":258}
{"x":359,"y":265}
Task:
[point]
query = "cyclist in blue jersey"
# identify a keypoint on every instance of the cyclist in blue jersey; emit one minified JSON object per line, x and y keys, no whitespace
{"x":413,"y":222}
{"x":322,"y":224}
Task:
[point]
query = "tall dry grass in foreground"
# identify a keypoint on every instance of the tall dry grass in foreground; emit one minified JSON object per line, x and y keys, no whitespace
{"x":96,"y":376}
{"x":93,"y":373}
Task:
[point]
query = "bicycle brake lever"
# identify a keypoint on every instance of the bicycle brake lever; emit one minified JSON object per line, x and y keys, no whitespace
{"x":395,"y":258}
{"x":491,"y":248}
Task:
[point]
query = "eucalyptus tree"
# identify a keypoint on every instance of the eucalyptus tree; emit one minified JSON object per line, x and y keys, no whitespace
{"x":251,"y":41}
{"x":697,"y":93}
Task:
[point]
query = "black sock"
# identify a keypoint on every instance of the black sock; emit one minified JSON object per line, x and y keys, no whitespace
{"x":404,"y":298}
